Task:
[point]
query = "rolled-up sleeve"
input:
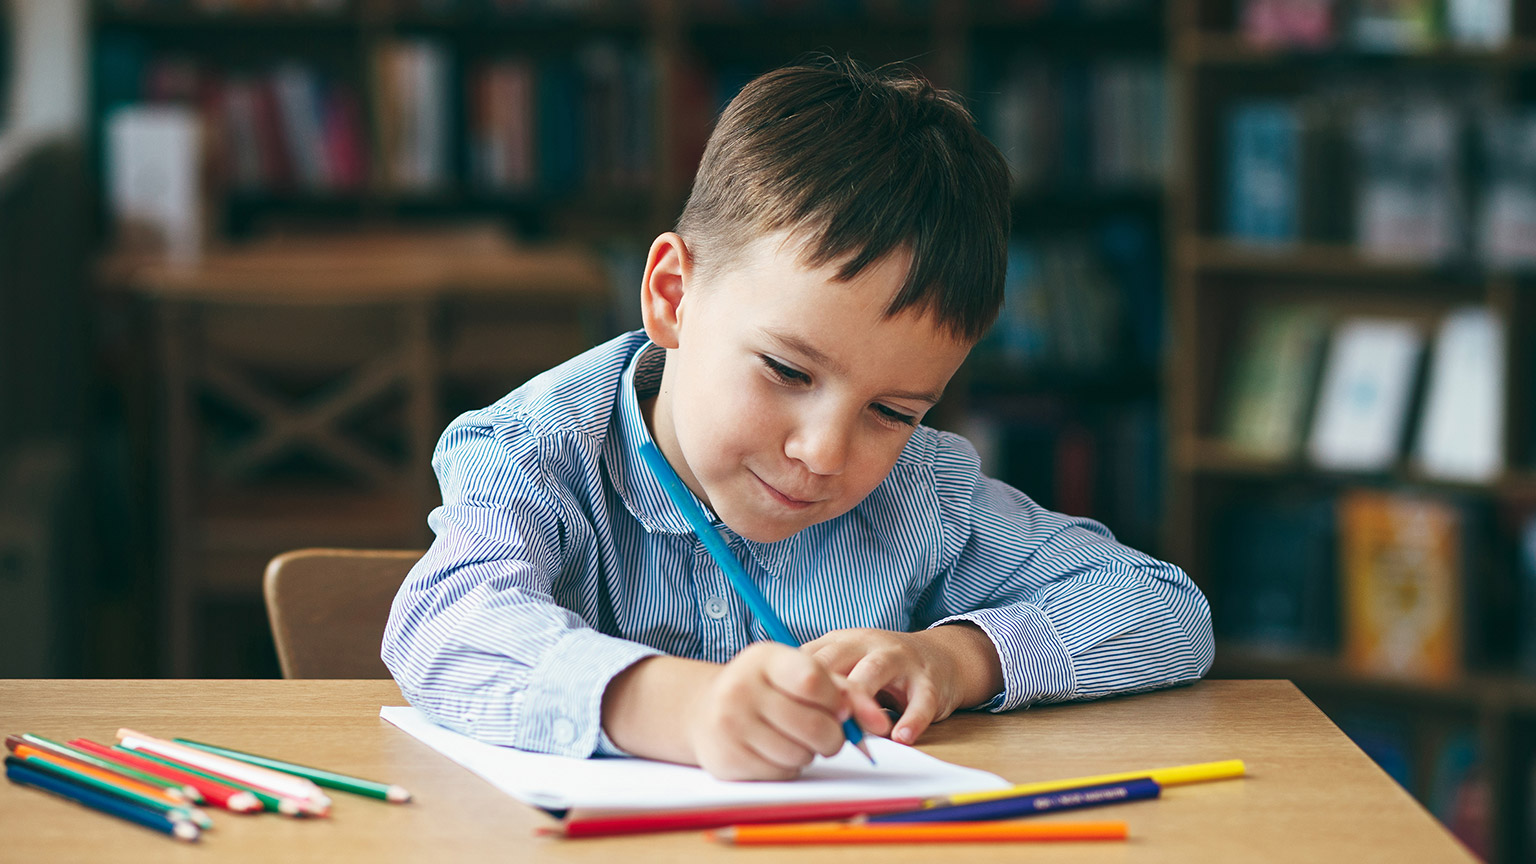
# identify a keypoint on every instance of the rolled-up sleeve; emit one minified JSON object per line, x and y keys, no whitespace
{"x":1073,"y":613}
{"x":475,"y":639}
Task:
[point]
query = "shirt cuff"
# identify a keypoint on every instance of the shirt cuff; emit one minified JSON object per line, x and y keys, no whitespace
{"x":561,"y":711}
{"x":1036,"y":665}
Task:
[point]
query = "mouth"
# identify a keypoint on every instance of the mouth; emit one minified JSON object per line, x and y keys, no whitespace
{"x":786,"y":500}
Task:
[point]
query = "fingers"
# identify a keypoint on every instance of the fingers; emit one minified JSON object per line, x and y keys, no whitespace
{"x":922,"y":708}
{"x":838,"y":650}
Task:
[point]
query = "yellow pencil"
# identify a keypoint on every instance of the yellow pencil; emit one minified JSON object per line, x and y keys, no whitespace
{"x":1203,"y":772}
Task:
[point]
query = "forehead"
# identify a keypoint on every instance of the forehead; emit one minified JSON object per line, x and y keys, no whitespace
{"x":840,"y":324}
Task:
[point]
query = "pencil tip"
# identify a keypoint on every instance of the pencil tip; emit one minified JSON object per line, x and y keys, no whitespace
{"x":723,"y":835}
{"x":397,"y":795}
{"x":864,"y":748}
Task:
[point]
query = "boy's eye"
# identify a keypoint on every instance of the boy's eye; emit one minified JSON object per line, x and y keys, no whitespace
{"x":784,"y":373}
{"x":897,"y":416}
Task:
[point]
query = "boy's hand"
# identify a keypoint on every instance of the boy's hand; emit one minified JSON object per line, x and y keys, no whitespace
{"x":926,"y":675}
{"x":766,"y":714}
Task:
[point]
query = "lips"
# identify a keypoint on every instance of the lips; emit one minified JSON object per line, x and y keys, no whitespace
{"x":791,"y":500}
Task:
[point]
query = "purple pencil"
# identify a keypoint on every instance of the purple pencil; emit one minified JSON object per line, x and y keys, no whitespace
{"x":1026,"y":805}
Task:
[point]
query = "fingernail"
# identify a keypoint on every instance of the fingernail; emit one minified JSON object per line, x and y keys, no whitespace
{"x":843,"y":714}
{"x":904,"y":735}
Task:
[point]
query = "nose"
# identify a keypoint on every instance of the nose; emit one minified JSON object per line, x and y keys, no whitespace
{"x":821,"y":444}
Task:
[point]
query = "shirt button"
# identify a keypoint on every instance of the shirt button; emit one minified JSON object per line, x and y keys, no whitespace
{"x":715,"y":608}
{"x":565,"y":731}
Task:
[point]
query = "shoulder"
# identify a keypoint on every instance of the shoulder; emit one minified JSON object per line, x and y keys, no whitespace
{"x":558,"y":417}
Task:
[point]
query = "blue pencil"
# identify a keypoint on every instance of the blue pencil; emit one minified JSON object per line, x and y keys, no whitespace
{"x":21,"y":774}
{"x":1025,"y":805}
{"x":683,"y":498}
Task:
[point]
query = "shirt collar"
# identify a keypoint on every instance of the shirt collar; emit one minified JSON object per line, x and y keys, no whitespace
{"x":637,"y":486}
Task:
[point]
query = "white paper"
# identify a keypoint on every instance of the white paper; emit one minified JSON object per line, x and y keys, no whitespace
{"x":561,"y":782}
{"x":1462,"y":434}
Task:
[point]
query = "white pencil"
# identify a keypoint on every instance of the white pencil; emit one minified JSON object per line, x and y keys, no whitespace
{"x":284,"y":785}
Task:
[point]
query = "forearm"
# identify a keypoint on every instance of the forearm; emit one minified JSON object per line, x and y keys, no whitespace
{"x":646,"y":707}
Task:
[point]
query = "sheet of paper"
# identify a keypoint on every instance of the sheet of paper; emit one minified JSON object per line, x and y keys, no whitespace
{"x":560,"y":782}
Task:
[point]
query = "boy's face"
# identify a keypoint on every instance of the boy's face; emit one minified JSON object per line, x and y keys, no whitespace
{"x":787,"y":395}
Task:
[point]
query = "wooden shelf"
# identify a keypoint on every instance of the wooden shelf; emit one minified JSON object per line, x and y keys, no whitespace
{"x":1214,"y":458}
{"x":1498,"y":691}
{"x":1212,"y":255}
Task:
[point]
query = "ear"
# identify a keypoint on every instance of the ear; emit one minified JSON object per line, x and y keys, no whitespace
{"x":668,"y":270}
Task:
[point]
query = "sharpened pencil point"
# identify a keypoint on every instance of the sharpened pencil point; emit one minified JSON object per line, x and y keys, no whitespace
{"x":864,"y":748}
{"x":243,"y":802}
{"x":397,"y":795}
{"x":724,"y":835}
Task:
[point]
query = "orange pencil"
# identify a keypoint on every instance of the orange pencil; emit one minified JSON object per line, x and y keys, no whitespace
{"x":157,"y":793}
{"x":812,"y":833}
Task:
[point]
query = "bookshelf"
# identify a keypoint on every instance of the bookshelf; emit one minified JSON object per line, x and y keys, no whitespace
{"x":652,"y":75}
{"x":1277,"y":203}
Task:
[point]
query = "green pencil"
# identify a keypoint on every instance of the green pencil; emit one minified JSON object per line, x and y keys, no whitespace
{"x":318,"y":776}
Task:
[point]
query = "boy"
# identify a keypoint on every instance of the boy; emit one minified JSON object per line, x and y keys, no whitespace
{"x":841,"y":251}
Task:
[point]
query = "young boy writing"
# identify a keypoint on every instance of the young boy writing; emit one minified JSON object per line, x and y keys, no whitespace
{"x":841,"y":251}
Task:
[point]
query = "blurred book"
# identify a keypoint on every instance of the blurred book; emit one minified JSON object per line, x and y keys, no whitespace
{"x":155,"y":167}
{"x":1401,"y":562}
{"x":412,"y":99}
{"x":1507,"y":216}
{"x":1478,"y":23}
{"x":1310,"y":24}
{"x":1395,"y":25}
{"x":1273,"y":381}
{"x":1525,"y":589}
{"x":1459,"y":792}
{"x":1461,"y":433}
{"x":1367,"y":383}
{"x":1276,"y":561}
{"x":1410,"y":196}
{"x":1264,"y":172}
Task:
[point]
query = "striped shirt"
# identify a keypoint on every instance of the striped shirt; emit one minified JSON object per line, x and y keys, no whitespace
{"x":559,"y":562}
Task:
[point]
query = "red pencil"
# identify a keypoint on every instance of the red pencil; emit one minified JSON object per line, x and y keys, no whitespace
{"x":217,"y":794}
{"x":688,"y":820}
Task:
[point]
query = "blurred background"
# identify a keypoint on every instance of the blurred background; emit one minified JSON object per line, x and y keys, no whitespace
{"x":1271,"y":279}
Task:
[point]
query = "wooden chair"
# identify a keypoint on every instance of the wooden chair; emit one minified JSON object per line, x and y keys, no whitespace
{"x":328,"y":608}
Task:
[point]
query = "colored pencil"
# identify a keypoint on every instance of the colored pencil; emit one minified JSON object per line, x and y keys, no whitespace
{"x":267,"y":799}
{"x":1029,"y":805}
{"x":218,"y":794}
{"x":283,"y":785}
{"x":1180,"y":775}
{"x":721,"y":552}
{"x":107,"y":784}
{"x":22,"y":775}
{"x":319,"y":776}
{"x":38,"y":742}
{"x":608,"y":825}
{"x":809,"y":833}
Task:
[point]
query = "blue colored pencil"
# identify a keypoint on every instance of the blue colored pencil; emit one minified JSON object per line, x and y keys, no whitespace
{"x":178,"y":828}
{"x":721,"y":552}
{"x":1026,"y":805}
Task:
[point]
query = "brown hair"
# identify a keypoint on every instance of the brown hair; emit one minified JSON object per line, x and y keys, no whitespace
{"x":866,"y":161}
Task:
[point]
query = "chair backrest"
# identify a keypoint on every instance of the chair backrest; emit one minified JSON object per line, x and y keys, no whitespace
{"x":328,"y":608}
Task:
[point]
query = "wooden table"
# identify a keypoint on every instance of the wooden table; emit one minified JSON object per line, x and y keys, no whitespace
{"x":1311,"y":795}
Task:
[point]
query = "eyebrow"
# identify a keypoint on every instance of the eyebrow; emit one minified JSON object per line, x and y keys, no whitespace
{"x":816,"y":355}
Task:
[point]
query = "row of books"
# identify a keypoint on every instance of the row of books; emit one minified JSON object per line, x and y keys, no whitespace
{"x":1079,"y":304}
{"x":1456,"y":784}
{"x":817,"y":8}
{"x":1345,"y":391}
{"x":1377,"y":25}
{"x":1388,"y":174}
{"x":562,"y":123}
{"x":1380,"y":578}
{"x":1102,"y":464}
{"x":1103,"y":124}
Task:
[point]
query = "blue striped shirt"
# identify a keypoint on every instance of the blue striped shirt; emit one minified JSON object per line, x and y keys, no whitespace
{"x":559,"y":562}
